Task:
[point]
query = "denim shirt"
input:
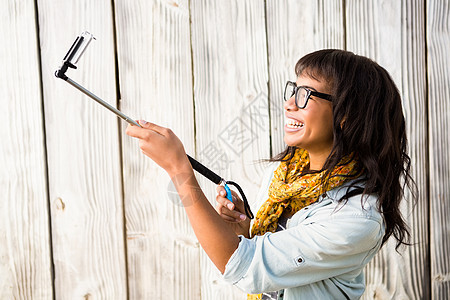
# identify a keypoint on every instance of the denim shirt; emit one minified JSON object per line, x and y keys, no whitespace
{"x":320,"y":255}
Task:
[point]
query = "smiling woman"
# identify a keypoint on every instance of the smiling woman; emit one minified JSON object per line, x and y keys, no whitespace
{"x":334,"y":198}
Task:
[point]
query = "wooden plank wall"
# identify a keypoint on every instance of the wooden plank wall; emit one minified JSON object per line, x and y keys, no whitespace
{"x":438,"y":71}
{"x":25,"y":251}
{"x":85,"y":189}
{"x":155,"y":72}
{"x":86,"y":216}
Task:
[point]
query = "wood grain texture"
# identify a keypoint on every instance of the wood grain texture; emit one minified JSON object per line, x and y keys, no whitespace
{"x":296,"y":28}
{"x":155,"y":74}
{"x":392,"y":33}
{"x":25,"y":251}
{"x":214,"y":72}
{"x":230,"y":93}
{"x":438,"y":43}
{"x":84,"y":159}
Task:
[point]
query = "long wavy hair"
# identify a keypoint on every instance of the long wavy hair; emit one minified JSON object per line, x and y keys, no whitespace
{"x":368,"y":121}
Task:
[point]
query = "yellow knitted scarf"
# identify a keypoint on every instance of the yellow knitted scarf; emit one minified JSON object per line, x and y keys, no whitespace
{"x":292,"y":191}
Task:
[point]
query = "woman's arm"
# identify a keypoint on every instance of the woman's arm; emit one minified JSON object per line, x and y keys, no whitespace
{"x":161,"y":145}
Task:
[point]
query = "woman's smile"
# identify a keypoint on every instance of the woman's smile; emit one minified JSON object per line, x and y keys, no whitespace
{"x":293,"y":125}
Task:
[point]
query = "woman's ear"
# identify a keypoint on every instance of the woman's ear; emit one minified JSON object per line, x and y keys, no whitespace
{"x":343,"y":121}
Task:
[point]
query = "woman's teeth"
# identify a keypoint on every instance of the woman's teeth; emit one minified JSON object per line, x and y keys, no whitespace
{"x":294,"y":124}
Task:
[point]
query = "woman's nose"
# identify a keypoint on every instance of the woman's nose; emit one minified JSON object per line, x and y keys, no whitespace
{"x":290,"y":104}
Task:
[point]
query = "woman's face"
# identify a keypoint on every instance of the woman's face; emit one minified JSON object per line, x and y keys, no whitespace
{"x":310,"y":128}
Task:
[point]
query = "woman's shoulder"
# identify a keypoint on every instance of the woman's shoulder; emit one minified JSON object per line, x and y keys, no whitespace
{"x":350,"y":200}
{"x":354,"y":220}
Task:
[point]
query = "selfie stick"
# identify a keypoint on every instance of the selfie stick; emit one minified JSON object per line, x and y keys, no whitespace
{"x":69,"y":61}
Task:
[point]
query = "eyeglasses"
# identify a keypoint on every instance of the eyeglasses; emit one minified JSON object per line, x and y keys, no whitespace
{"x":302,"y":94}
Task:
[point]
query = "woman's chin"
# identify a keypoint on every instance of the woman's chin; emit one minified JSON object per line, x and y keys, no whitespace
{"x":289,"y":141}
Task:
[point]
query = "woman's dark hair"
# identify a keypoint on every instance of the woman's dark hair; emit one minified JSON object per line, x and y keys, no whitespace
{"x":367,"y":121}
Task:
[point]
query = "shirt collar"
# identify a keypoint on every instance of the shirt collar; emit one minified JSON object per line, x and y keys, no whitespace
{"x":336,"y":194}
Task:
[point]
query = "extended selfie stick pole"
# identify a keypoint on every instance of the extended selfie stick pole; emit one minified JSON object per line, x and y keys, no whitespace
{"x":72,"y":58}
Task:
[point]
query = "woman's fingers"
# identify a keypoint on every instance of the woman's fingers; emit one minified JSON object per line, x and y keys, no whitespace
{"x":147,"y":128}
{"x":230,"y":215}
{"x":227,"y":209}
{"x":161,"y":145}
{"x":221,"y":192}
{"x":226,"y":214}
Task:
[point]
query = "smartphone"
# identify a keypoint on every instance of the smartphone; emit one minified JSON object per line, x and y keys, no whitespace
{"x":78,"y":48}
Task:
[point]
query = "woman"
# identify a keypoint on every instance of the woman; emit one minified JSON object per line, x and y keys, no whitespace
{"x":334,"y":198}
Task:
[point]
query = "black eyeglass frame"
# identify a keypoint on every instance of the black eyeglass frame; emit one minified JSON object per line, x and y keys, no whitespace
{"x":309,"y":93}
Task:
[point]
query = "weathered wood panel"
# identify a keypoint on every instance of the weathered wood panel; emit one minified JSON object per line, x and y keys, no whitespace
{"x":295,"y":28}
{"x":231,"y":67}
{"x":392,"y":33}
{"x":156,"y":84}
{"x":83,"y":150}
{"x":438,"y":43}
{"x":25,"y":251}
{"x":230,"y":93}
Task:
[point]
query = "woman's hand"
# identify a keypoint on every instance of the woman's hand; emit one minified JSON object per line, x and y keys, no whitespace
{"x":162,"y":146}
{"x":233,"y":213}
